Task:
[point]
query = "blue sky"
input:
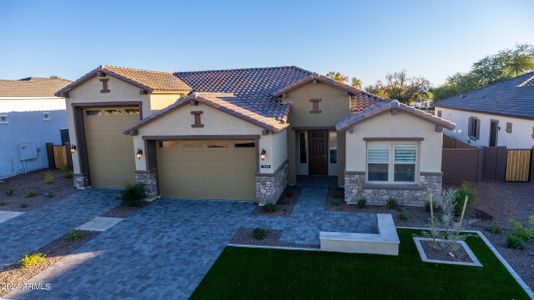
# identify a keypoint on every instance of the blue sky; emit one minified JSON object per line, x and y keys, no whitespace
{"x":366,"y":39}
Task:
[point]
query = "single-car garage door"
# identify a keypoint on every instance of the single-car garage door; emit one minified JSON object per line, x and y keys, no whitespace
{"x":110,"y":152}
{"x":207,"y":169}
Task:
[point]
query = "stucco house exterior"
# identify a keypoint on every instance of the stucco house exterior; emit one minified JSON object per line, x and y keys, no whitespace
{"x":501,"y":114}
{"x":30,"y":117}
{"x":247,"y":133}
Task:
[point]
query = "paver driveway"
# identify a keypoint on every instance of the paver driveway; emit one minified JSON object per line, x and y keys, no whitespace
{"x":34,"y":229}
{"x":162,"y":252}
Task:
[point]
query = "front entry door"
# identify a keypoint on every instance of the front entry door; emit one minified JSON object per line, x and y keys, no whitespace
{"x":494,"y":128}
{"x":318,"y":152}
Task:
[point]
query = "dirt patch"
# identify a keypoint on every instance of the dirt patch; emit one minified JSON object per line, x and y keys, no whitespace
{"x":284,"y":206}
{"x":403,"y":215}
{"x":244,"y":236}
{"x":13,"y":274}
{"x":123,"y":211}
{"x":30,"y":191}
{"x":458,"y":255}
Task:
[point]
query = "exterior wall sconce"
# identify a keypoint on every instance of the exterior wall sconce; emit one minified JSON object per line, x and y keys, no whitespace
{"x":263,"y":154}
{"x":139,"y":153}
{"x":73,"y":148}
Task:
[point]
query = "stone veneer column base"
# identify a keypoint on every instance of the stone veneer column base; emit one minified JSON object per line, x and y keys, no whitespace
{"x":80,"y":181}
{"x":357,"y":188}
{"x":150,"y":180}
{"x":269,"y":187}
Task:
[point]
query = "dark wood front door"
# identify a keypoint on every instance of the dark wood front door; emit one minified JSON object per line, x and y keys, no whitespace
{"x":318,"y":152}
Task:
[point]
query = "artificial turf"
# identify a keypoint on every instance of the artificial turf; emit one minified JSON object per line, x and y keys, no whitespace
{"x":245,"y":273}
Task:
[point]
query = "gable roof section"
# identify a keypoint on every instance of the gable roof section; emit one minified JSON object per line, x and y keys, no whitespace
{"x":512,"y":97}
{"x":225,"y":102}
{"x":31,"y":87}
{"x":359,"y":99}
{"x":150,"y":81}
{"x":381,"y":107}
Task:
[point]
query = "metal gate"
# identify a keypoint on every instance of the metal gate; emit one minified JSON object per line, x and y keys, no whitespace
{"x":518,"y":163}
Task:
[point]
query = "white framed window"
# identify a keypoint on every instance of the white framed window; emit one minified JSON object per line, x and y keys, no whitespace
{"x":332,"y":147}
{"x":46,"y":116}
{"x":4,"y":119}
{"x":392,"y":162}
{"x":473,"y":128}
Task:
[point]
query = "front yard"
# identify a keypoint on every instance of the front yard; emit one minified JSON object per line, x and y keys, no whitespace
{"x":249,"y":273}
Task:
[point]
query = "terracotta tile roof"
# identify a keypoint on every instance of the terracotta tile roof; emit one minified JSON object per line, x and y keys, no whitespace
{"x":31,"y":87}
{"x":360,"y":101}
{"x":150,"y":81}
{"x":512,"y":97}
{"x":383,"y":106}
{"x":225,"y":102}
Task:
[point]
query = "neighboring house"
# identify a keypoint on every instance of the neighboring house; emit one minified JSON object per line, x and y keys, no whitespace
{"x":30,"y":116}
{"x":247,"y":133}
{"x":501,"y":114}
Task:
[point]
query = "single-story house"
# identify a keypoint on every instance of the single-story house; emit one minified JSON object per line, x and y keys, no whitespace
{"x":501,"y":114}
{"x":247,"y":133}
{"x":30,"y":117}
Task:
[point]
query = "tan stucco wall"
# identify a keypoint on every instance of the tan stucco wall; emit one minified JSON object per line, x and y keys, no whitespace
{"x":334,"y":105}
{"x":178,"y":123}
{"x":399,"y":125}
{"x":89,"y":92}
{"x":160,"y":101}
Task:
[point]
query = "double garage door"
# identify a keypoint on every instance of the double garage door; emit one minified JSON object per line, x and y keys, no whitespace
{"x":207,"y":169}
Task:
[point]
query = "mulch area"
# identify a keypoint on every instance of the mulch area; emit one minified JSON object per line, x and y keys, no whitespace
{"x":14,"y":274}
{"x":458,"y":255}
{"x":284,"y":206}
{"x":244,"y":236}
{"x":123,"y":211}
{"x":30,"y":191}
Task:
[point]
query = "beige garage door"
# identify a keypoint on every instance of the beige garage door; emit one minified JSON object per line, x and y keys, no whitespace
{"x":207,"y":169}
{"x":110,"y":152}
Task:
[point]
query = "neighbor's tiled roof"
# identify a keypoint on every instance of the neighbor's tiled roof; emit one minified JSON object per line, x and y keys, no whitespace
{"x":512,"y":97}
{"x":225,"y":102}
{"x":253,"y":88}
{"x":383,"y":106}
{"x":31,"y":87}
{"x":151,"y":81}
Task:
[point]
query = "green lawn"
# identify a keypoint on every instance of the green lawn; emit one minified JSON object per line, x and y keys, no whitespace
{"x":242,"y":273}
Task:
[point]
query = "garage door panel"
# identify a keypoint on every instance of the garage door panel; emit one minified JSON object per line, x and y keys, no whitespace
{"x":190,"y":169}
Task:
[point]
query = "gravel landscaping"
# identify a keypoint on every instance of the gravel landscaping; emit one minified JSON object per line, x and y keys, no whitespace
{"x":13,"y":274}
{"x":458,"y":255}
{"x":284,"y":206}
{"x":123,"y":211}
{"x":29,"y":191}
{"x":245,"y":236}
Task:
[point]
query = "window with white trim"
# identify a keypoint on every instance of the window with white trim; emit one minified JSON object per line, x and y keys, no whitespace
{"x":4,"y":119}
{"x":399,"y":167}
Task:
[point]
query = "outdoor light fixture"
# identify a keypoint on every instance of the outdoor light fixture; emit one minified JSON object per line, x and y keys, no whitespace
{"x":139,"y":153}
{"x":73,"y":148}
{"x":263,"y":154}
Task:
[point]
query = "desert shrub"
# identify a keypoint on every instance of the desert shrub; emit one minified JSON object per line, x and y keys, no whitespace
{"x":259,"y":234}
{"x":459,"y":198}
{"x":514,"y":242}
{"x":32,"y":259}
{"x":437,"y":207}
{"x":269,"y":208}
{"x":392,"y":203}
{"x":67,"y":173}
{"x":23,"y":205}
{"x":133,"y":194}
{"x":30,"y":194}
{"x":524,"y":233}
{"x":49,"y":177}
{"x":49,"y":195}
{"x":74,"y":235}
{"x":494,"y":228}
{"x":10,"y":192}
{"x":2,"y":202}
{"x":362,"y":203}
{"x":404,"y":215}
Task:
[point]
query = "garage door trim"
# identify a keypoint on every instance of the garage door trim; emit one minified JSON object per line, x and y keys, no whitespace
{"x":79,"y":126}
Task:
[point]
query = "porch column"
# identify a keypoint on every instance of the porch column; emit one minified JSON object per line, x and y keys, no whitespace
{"x":292,"y":175}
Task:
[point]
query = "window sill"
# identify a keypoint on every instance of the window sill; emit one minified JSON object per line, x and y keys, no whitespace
{"x":386,"y":186}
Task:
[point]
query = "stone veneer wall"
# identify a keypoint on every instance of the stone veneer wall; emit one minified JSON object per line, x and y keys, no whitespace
{"x":269,"y":187}
{"x":150,"y":180}
{"x":357,"y":188}
{"x":80,"y":181}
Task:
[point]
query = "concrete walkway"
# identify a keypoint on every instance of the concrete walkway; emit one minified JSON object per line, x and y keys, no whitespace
{"x":34,"y":229}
